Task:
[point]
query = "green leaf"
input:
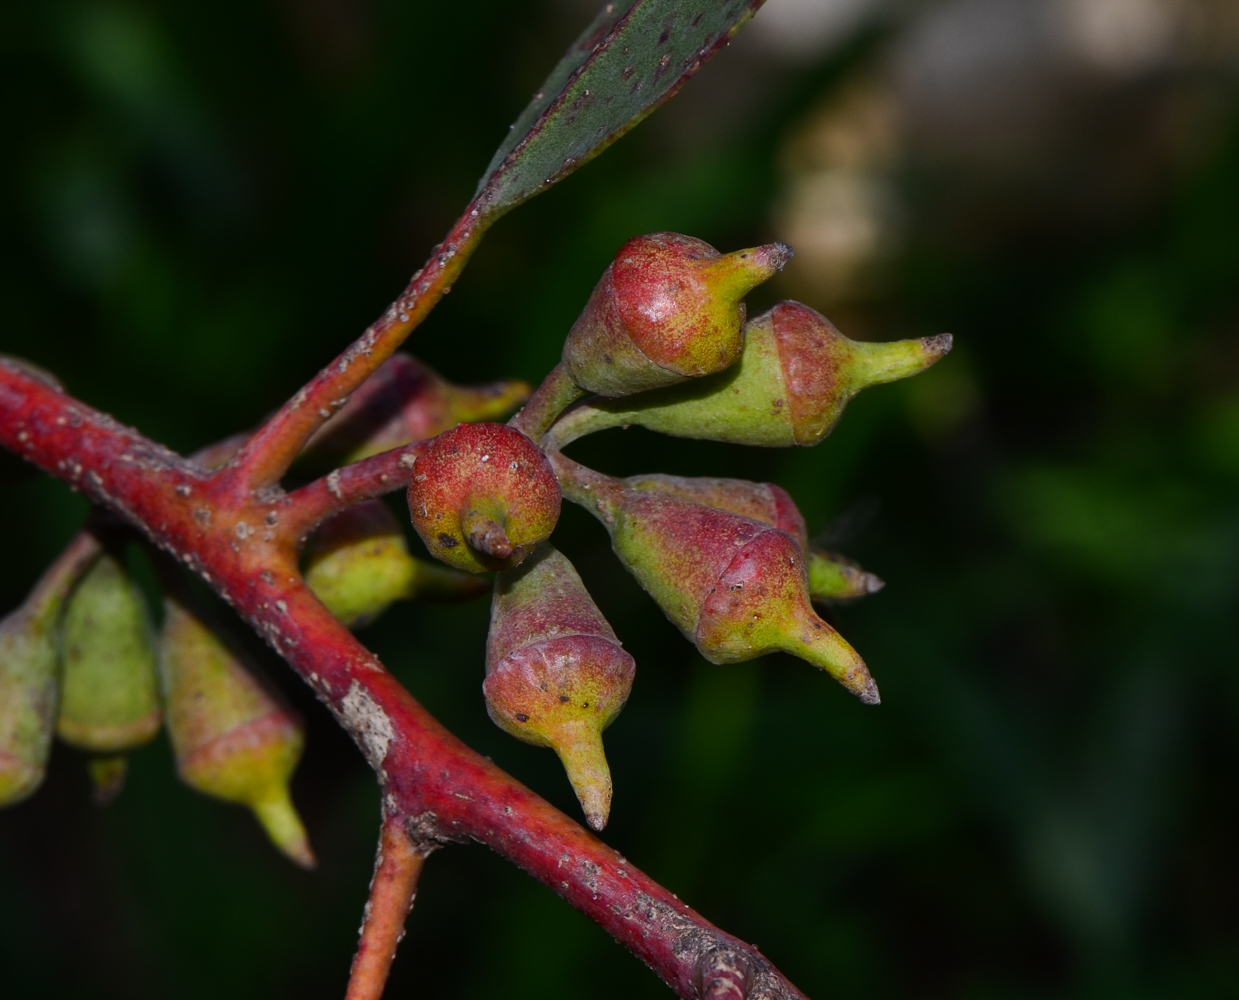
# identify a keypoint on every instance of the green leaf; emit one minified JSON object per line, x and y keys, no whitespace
{"x":625,"y":64}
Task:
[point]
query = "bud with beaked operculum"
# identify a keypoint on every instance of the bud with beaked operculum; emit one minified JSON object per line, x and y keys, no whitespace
{"x":406,"y":400}
{"x":765,"y":502}
{"x":736,"y":588}
{"x":668,"y":308}
{"x":358,"y":564}
{"x":109,"y":701}
{"x":482,"y":497}
{"x":832,"y":577}
{"x":556,"y":675}
{"x":796,"y":376}
{"x":30,"y":674}
{"x":233,"y":739}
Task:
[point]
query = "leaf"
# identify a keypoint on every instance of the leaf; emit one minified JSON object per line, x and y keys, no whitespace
{"x":622,"y":67}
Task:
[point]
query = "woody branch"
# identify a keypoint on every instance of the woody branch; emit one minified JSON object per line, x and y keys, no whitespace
{"x":241,"y":541}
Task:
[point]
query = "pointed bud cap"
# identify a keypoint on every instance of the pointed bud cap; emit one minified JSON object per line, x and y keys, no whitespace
{"x":110,"y":695}
{"x":795,"y":378}
{"x":405,"y":401}
{"x":735,"y":587}
{"x":833,"y":577}
{"x":358,"y":564}
{"x":667,"y":309}
{"x":107,"y":777}
{"x":482,"y":497}
{"x":556,"y":675}
{"x":232,"y":737}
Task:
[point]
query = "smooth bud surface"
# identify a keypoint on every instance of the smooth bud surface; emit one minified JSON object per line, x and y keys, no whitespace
{"x":233,"y":739}
{"x":405,"y":401}
{"x":668,"y":308}
{"x":110,"y":696}
{"x":358,"y":564}
{"x":796,"y":376}
{"x":482,"y":497}
{"x":556,"y":675}
{"x":735,"y":587}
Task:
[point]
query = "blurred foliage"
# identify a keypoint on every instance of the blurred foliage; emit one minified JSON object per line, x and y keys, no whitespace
{"x":200,"y":204}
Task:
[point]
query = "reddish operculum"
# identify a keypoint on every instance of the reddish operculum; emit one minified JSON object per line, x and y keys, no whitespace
{"x":482,"y":496}
{"x":667,"y":308}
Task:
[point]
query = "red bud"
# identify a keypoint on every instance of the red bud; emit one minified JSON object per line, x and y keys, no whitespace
{"x":482,"y":496}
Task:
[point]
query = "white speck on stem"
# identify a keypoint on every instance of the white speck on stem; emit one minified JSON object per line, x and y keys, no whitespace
{"x":368,"y":723}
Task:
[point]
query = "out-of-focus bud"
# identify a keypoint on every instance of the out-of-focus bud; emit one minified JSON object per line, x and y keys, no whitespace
{"x":357,"y":564}
{"x":795,"y":378}
{"x":233,"y":739}
{"x":833,"y":577}
{"x":482,"y":497}
{"x":735,"y":587}
{"x":764,"y":502}
{"x":30,"y":674}
{"x":109,"y":700}
{"x":555,"y":672}
{"x":404,"y":401}
{"x":667,"y":308}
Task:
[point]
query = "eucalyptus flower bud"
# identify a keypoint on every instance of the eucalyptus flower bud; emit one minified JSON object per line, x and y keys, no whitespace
{"x":482,"y":496}
{"x":796,"y":376}
{"x":404,"y":401}
{"x":358,"y":564}
{"x":233,"y":739}
{"x":30,"y":674}
{"x":667,"y":308}
{"x":556,"y":675}
{"x":735,"y":587}
{"x":765,"y":502}
{"x":109,"y":700}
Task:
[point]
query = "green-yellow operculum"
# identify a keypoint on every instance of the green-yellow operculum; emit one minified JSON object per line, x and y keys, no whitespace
{"x":109,"y":700}
{"x":735,"y":587}
{"x":232,"y":738}
{"x":667,"y":308}
{"x":796,"y":375}
{"x":556,"y":675}
{"x":358,"y":564}
{"x":833,"y":577}
{"x":30,"y":674}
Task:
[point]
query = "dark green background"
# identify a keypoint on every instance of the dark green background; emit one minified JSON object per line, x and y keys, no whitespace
{"x":201,"y":203}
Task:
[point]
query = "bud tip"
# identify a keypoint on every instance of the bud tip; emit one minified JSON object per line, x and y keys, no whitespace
{"x":279,"y":818}
{"x":938,"y":345}
{"x":107,"y":778}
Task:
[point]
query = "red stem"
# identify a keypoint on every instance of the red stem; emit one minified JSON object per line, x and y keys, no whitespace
{"x":269,"y":453}
{"x":396,"y":871}
{"x":350,"y":484}
{"x":442,"y":790}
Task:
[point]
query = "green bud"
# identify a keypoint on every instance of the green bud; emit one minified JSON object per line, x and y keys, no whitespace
{"x":233,"y":739}
{"x":358,"y":564}
{"x":833,"y":577}
{"x":556,"y":675}
{"x":668,"y":308}
{"x":30,"y":674}
{"x":735,"y":587}
{"x":109,"y":701}
{"x":795,"y":377}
